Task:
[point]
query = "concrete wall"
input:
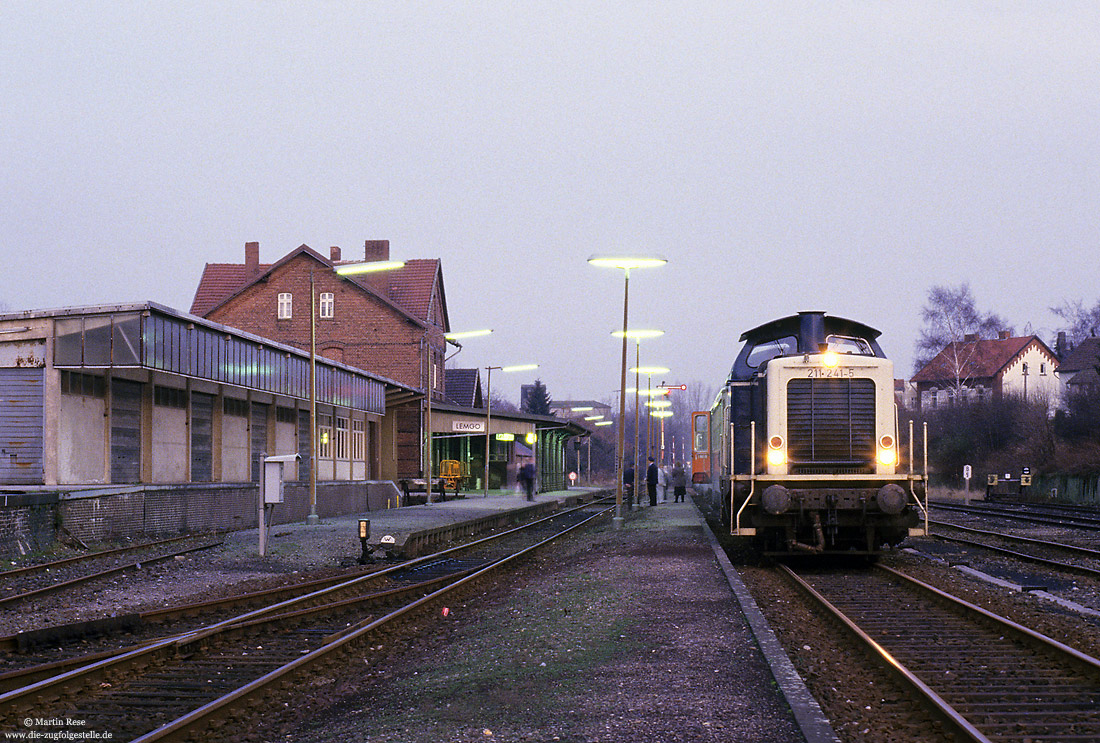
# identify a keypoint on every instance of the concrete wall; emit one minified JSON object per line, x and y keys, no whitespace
{"x":82,"y":440}
{"x":30,"y":522}
{"x":170,"y":444}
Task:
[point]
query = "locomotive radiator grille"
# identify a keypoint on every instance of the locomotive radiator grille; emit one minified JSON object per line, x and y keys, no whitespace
{"x":831,"y":425}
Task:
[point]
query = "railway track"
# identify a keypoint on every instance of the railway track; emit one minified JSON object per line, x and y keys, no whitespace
{"x":21,"y":584}
{"x":1052,"y":550}
{"x":984,"y":677}
{"x":1074,"y":520}
{"x":170,"y":688}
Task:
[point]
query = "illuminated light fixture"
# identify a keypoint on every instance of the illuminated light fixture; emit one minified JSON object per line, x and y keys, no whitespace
{"x":658,"y":403}
{"x":604,"y":423}
{"x":627,"y":262}
{"x":661,"y":413}
{"x":519,"y":367}
{"x":776,"y":457}
{"x":887,"y":455}
{"x":638,"y":334}
{"x":354,"y":269}
{"x":652,"y":370}
{"x":831,"y":360}
{"x":467,"y":334}
{"x":531,"y":438}
{"x":582,"y":409}
{"x":593,"y":417}
{"x":647,"y":393}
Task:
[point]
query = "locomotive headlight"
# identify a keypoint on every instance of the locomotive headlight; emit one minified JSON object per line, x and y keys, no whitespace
{"x":776,"y":455}
{"x":887,"y":454}
{"x":830,"y":359}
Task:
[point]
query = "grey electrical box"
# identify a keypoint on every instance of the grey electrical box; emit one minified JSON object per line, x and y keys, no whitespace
{"x":273,"y":476}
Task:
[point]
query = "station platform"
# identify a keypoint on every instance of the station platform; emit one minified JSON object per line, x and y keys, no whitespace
{"x":684,"y":653}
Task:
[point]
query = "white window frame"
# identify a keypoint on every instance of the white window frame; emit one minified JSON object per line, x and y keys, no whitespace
{"x":324,"y":436}
{"x":326,"y":306}
{"x":358,"y":440}
{"x":285,"y":310}
{"x":341,"y":437}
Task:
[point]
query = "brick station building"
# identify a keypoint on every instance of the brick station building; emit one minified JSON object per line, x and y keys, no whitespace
{"x":391,"y":322}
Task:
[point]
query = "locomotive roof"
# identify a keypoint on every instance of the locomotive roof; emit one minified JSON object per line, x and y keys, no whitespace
{"x":790,"y":326}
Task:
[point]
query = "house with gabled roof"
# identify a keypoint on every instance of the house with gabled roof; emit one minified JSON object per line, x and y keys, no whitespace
{"x":392,"y":322}
{"x":1080,"y":367}
{"x":976,"y":369}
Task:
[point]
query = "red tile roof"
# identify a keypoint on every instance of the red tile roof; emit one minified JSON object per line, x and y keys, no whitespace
{"x":973,"y":359}
{"x":410,"y":287}
{"x":219,"y":282}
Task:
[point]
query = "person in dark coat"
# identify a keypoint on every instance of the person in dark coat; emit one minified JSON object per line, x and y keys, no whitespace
{"x":527,"y":479}
{"x":628,"y":486}
{"x":679,"y":483}
{"x":651,"y":481}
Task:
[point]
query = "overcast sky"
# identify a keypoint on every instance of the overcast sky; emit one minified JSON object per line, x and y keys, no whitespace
{"x":784,"y":156}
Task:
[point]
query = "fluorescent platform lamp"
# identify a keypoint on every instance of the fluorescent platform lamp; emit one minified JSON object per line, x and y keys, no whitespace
{"x":638,"y":334}
{"x":627,"y":262}
{"x":651,"y":370}
{"x":467,"y":334}
{"x":354,"y":269}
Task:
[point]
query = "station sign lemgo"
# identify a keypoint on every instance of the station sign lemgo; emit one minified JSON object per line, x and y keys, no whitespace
{"x":468,"y":426}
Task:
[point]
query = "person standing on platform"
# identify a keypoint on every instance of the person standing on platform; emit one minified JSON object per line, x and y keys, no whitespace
{"x":679,"y":483}
{"x":651,"y":481}
{"x":628,"y":486}
{"x":527,"y":477}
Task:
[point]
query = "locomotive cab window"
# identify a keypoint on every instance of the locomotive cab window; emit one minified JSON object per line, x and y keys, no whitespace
{"x":765,"y":352}
{"x":849,"y":345}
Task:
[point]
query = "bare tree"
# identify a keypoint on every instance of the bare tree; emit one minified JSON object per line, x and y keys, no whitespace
{"x":952,"y":325}
{"x":1081,"y":323}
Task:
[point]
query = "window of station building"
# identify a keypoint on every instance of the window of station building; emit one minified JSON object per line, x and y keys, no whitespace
{"x":86,"y":385}
{"x":341,"y":437}
{"x":169,"y":397}
{"x":327,"y":304}
{"x":1042,"y":368}
{"x":233,"y":406}
{"x":358,"y":440}
{"x":286,"y":415}
{"x":324,"y":436}
{"x":285,"y":305}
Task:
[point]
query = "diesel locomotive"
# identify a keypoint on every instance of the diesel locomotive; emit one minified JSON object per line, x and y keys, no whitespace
{"x":801,"y":448}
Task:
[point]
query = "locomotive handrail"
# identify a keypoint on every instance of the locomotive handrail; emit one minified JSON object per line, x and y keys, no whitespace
{"x":913,"y":476}
{"x":752,"y":473}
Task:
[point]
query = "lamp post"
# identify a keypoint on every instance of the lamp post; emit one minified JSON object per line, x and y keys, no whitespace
{"x":649,"y":371}
{"x":625,"y":262}
{"x":661,"y":414}
{"x":637,"y":334}
{"x":489,"y":408}
{"x":345,"y":269}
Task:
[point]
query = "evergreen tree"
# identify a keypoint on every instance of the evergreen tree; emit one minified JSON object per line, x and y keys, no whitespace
{"x":537,"y":400}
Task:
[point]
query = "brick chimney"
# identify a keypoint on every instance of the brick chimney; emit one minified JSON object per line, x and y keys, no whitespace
{"x":334,"y":253}
{"x":252,"y":258}
{"x":377,"y":250}
{"x":1002,"y":335}
{"x":970,"y":338}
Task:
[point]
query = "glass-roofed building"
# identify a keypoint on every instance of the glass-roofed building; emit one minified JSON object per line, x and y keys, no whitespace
{"x":141,"y":394}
